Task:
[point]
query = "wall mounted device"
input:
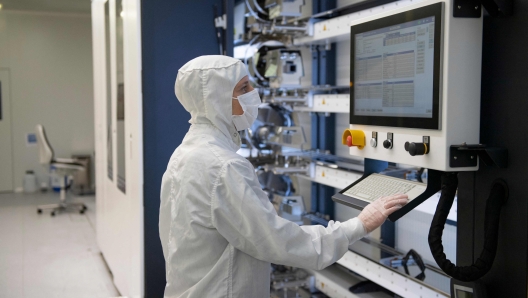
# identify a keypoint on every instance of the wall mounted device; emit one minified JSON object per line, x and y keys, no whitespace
{"x":291,"y":207}
{"x":257,"y":64}
{"x":273,"y":126}
{"x":267,"y":10}
{"x":276,"y":67}
{"x":416,"y":73}
{"x":284,"y":8}
{"x":284,"y":68}
{"x":415,"y":78}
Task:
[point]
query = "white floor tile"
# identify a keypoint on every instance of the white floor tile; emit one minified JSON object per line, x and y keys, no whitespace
{"x":44,"y":256}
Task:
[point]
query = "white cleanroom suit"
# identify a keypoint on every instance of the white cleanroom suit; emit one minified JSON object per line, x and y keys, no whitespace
{"x":218,"y":229}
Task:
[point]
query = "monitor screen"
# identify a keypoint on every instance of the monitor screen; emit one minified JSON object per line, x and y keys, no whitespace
{"x":395,"y":70}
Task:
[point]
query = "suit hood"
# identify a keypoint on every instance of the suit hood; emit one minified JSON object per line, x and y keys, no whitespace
{"x":204,"y":86}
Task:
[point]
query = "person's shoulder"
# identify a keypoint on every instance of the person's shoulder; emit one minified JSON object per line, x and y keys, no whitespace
{"x":192,"y":154}
{"x":236,"y":163}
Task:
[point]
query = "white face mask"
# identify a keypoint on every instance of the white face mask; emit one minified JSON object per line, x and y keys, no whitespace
{"x":249,"y":103}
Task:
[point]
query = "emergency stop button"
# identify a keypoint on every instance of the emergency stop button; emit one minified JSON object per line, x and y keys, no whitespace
{"x":353,"y":137}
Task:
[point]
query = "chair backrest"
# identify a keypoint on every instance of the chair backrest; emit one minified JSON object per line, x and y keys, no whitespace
{"x":45,"y":151}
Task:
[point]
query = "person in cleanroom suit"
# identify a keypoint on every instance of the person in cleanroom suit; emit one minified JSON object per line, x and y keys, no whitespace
{"x":218,"y":229}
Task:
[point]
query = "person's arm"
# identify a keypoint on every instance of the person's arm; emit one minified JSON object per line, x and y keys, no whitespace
{"x":242,"y":213}
{"x":165,"y":210}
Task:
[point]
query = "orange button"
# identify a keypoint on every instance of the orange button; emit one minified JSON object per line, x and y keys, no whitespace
{"x":353,"y":137}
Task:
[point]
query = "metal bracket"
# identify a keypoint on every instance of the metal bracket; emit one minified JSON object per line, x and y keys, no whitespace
{"x":220,"y":22}
{"x":466,"y":155}
{"x":473,"y":8}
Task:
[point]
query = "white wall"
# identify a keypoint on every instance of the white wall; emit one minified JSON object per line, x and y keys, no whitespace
{"x":50,"y":61}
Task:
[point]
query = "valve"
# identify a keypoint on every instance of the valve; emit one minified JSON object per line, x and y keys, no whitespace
{"x":353,"y":137}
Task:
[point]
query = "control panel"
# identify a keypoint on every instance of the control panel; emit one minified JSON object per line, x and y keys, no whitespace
{"x":415,"y":86}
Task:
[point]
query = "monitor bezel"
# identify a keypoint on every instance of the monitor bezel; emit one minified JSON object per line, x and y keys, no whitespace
{"x":436,"y":10}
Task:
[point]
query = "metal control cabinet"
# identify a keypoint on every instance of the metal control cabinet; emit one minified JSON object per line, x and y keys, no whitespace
{"x":459,"y":96}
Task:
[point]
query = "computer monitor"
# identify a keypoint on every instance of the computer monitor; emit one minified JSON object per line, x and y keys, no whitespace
{"x":396,"y":70}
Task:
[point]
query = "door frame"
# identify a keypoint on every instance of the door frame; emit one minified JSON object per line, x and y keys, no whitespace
{"x":9,"y":112}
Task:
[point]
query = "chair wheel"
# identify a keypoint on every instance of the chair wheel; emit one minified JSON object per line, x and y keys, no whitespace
{"x":84,"y":208}
{"x":81,"y":211}
{"x":39,"y":211}
{"x":53,"y":213}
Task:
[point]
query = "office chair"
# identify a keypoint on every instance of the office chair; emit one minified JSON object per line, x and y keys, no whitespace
{"x":65,"y":167}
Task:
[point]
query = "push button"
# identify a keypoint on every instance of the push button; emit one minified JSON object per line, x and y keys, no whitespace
{"x":352,"y":137}
{"x":389,"y":142}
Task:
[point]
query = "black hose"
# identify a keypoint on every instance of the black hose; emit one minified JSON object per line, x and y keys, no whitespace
{"x":417,"y":260}
{"x":496,"y":199}
{"x":419,"y":174}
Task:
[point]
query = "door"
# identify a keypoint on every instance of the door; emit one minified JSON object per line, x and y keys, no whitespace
{"x":6,"y":148}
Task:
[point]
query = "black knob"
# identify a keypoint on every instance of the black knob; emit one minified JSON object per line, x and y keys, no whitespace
{"x":416,"y":148}
{"x":387,"y":144}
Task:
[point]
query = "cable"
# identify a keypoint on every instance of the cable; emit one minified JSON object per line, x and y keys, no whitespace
{"x":496,"y":199}
{"x":419,"y":262}
{"x":218,"y":30}
{"x":255,"y":14}
{"x":260,"y":9}
{"x":419,"y":174}
{"x":251,"y":78}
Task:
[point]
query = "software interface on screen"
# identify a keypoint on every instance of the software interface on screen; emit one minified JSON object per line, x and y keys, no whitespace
{"x":393,"y":72}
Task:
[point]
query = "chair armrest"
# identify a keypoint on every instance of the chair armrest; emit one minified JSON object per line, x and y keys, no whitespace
{"x":65,"y":160}
{"x":67,"y":166}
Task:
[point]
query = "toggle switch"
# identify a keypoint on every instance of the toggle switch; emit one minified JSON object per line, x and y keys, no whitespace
{"x":389,"y":142}
{"x":418,"y":148}
{"x":352,"y":137}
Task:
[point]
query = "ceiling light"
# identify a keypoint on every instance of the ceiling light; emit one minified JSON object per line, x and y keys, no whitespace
{"x":0,"y":5}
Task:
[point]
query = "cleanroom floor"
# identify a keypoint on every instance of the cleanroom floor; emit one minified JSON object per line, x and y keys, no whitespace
{"x":44,"y":256}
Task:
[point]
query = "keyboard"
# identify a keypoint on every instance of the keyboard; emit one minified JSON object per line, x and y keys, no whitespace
{"x":376,"y":186}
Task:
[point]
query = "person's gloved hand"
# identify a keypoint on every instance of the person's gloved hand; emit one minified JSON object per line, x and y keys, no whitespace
{"x":375,"y":214}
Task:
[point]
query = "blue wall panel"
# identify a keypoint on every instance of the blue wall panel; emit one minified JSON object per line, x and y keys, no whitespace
{"x":173,"y":32}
